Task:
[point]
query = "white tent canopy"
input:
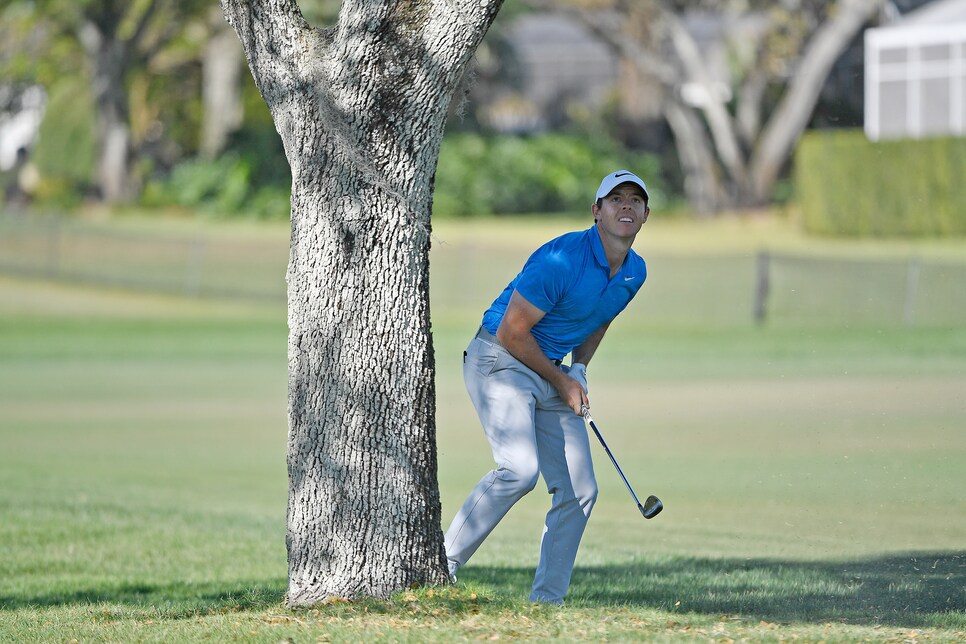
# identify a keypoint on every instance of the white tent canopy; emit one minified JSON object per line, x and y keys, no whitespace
{"x":915,"y":74}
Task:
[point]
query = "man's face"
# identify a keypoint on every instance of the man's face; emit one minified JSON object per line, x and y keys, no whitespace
{"x":622,"y":212}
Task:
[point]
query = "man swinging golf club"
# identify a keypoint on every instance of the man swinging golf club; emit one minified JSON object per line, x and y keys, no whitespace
{"x":530,"y":405}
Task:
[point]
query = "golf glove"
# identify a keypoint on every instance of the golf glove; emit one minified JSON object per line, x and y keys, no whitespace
{"x":578,"y":372}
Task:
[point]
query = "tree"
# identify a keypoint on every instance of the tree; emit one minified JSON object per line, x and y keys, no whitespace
{"x":733,"y":138}
{"x":129,"y":51}
{"x":120,"y":36}
{"x":361,"y":107}
{"x":221,"y":92}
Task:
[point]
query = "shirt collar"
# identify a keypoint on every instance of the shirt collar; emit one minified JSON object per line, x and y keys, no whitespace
{"x":601,"y":256}
{"x":598,"y":247}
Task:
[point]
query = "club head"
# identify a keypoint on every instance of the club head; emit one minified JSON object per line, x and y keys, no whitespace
{"x":651,"y":507}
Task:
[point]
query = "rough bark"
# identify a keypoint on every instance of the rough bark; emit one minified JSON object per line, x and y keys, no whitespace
{"x":361,"y":108}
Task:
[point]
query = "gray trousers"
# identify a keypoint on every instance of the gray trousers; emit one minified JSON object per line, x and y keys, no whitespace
{"x":532,"y":432}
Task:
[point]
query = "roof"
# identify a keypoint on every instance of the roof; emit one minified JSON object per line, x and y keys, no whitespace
{"x":938,"y":22}
{"x":939,"y":12}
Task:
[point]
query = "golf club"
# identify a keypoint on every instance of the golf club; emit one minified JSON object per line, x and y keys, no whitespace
{"x":652,"y":506}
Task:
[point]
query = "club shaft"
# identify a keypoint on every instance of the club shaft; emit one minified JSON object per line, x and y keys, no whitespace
{"x":613,"y":460}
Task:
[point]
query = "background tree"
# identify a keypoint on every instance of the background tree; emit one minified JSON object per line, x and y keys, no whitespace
{"x":361,"y":107}
{"x":221,"y":87}
{"x":119,"y":37}
{"x":733,"y":135}
{"x":134,"y":55}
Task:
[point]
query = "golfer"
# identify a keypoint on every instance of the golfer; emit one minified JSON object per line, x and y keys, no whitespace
{"x":529,"y":403}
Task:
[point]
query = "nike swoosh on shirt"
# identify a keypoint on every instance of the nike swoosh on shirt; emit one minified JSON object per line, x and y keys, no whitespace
{"x":628,"y":279}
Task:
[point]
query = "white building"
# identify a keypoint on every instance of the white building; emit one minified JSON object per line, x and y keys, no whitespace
{"x":18,"y":128}
{"x":915,"y":74}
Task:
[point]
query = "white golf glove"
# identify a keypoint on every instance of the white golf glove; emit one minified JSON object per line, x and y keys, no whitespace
{"x":578,"y":372}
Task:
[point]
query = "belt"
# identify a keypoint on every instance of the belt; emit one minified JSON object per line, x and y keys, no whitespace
{"x":484,"y":334}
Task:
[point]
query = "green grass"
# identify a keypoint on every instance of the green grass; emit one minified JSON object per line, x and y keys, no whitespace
{"x":813,"y":479}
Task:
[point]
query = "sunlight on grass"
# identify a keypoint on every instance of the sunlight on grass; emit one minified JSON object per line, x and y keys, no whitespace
{"x":812,"y":476}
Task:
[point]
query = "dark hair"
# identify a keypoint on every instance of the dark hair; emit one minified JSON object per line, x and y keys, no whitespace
{"x":601,"y":201}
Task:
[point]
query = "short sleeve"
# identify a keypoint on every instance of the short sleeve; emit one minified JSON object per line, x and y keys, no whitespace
{"x":545,"y":278}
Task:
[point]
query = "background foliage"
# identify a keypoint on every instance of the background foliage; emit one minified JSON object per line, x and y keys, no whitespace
{"x":477,"y":175}
{"x":486,"y":166}
{"x":480,"y":175}
{"x":65,"y":146}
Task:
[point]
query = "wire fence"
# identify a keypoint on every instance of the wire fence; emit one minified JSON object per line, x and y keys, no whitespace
{"x":187,"y":264}
{"x":786,"y":289}
{"x":739,"y":289}
{"x":911,"y":291}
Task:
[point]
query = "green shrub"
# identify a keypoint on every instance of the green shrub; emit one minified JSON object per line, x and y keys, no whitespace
{"x":65,"y":149}
{"x":476,"y":175}
{"x":251,"y":179}
{"x":479,"y":175}
{"x":848,"y":185}
{"x":221,"y":186}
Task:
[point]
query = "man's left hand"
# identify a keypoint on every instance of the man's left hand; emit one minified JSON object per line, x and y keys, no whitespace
{"x":578,"y":372}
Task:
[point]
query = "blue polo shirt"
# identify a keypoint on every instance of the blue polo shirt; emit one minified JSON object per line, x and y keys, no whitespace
{"x":568,"y":279}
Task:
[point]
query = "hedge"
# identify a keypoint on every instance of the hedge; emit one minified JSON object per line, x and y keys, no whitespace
{"x":546,"y":173}
{"x":847,"y":185}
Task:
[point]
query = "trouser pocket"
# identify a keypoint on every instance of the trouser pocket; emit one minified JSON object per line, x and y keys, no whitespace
{"x":485,"y":358}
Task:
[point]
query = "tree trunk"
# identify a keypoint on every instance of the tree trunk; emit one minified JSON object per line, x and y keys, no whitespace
{"x":698,"y":146}
{"x":107,"y":55}
{"x":111,"y":33}
{"x":701,"y":186}
{"x":364,"y":511}
{"x":720,"y":123}
{"x":361,"y":110}
{"x":221,"y":91}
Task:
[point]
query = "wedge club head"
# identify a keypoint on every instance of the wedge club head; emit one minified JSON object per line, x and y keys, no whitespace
{"x":651,"y":507}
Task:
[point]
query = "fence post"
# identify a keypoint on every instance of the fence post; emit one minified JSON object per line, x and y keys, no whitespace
{"x":54,"y":233}
{"x":912,"y":291}
{"x":761,"y":286}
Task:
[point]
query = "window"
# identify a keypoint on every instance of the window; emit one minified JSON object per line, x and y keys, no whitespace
{"x":915,"y":81}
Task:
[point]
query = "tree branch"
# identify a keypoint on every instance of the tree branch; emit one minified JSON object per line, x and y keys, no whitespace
{"x":131,"y":43}
{"x":790,"y":118}
{"x":281,"y":36}
{"x":720,"y":123}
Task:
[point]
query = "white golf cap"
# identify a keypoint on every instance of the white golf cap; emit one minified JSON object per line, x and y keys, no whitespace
{"x":615,"y":179}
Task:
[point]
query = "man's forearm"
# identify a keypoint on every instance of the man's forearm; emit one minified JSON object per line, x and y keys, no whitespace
{"x":588,"y":347}
{"x":515,"y":334}
{"x":523,"y":346}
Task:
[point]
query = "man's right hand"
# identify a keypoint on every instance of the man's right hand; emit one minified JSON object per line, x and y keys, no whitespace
{"x":572,"y":393}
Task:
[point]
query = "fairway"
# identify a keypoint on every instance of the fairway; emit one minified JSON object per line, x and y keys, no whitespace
{"x":813,"y":476}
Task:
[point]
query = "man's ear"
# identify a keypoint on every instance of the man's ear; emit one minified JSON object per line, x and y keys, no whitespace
{"x":593,"y":210}
{"x":647,"y":211}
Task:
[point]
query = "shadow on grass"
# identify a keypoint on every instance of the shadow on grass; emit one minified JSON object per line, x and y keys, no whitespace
{"x":172,"y":601}
{"x":915,"y":589}
{"x":919,"y":589}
